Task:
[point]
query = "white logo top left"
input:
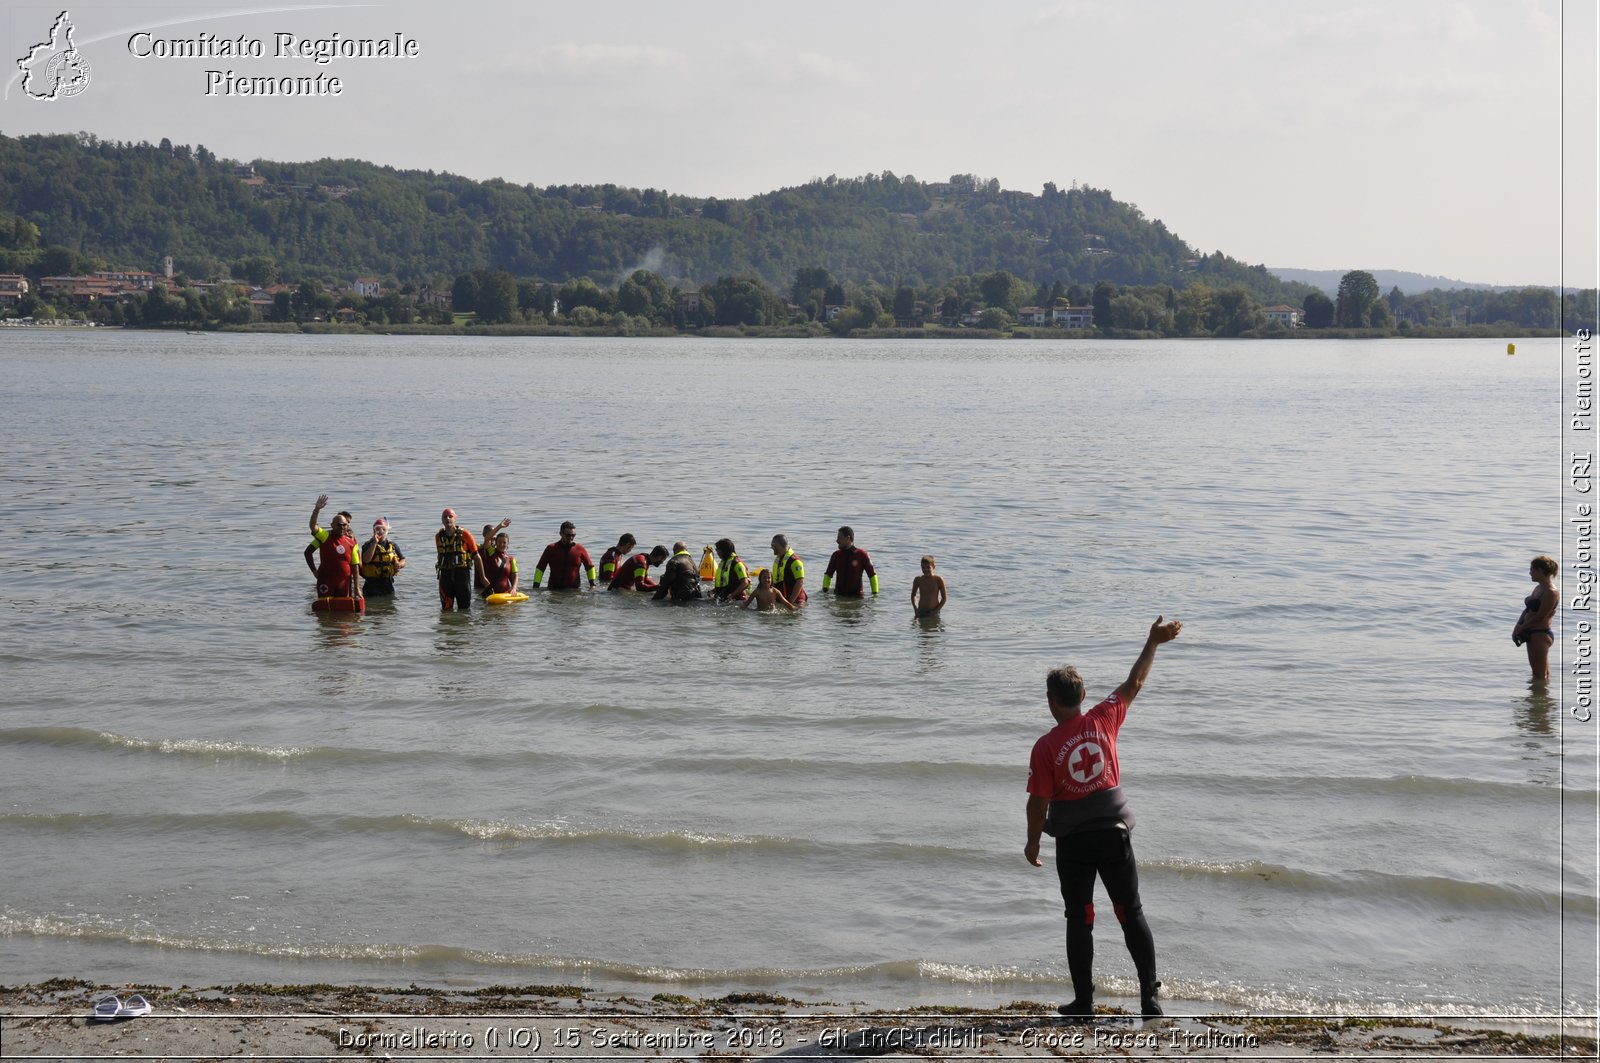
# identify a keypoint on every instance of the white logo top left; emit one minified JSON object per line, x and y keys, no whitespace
{"x":54,"y":69}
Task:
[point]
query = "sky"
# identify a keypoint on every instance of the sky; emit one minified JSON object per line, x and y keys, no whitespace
{"x":1448,"y":137}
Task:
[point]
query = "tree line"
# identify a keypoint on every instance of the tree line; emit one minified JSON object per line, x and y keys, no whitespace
{"x":996,"y":300}
{"x":836,"y":253}
{"x":135,"y":203}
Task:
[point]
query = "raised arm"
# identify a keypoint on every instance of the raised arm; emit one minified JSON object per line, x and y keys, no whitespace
{"x":1159,"y":632}
{"x":322,"y":500}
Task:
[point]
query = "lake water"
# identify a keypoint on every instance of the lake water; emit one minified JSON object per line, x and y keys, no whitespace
{"x":1350,"y":798}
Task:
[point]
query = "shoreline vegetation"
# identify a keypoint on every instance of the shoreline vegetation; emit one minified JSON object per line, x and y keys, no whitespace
{"x":52,"y":1020}
{"x":171,"y":235}
{"x":813,"y":330}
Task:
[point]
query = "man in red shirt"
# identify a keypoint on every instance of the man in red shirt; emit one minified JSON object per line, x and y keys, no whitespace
{"x":566,"y":560}
{"x":849,"y":563}
{"x":339,"y":554}
{"x":1073,"y":794}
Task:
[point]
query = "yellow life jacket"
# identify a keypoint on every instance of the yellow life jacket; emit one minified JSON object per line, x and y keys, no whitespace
{"x":784,"y":575}
{"x":731,"y":573}
{"x":452,"y":549}
{"x":379,"y":561}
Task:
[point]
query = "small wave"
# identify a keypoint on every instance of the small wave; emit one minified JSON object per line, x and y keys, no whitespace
{"x":124,"y":824}
{"x":508,"y":831}
{"x":476,"y":829}
{"x":814,"y":770}
{"x":326,"y":757}
{"x":1426,"y":889}
{"x":1279,"y":1000}
{"x":1346,"y":786}
{"x":916,"y":979}
{"x":83,"y":738}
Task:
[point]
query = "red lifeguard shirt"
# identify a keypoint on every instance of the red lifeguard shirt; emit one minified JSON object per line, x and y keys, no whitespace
{"x":1079,"y":757}
{"x":609,"y":562}
{"x":336,"y":558}
{"x":633,"y":574}
{"x":499,"y":567}
{"x":849,"y":566}
{"x":566,"y":564}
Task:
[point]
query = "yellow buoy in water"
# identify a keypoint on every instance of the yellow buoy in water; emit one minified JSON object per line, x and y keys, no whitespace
{"x":708,"y":565}
{"x":1511,"y":348}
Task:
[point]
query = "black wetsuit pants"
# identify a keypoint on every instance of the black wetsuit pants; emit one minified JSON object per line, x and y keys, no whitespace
{"x":1108,"y":853}
{"x":455,"y":587}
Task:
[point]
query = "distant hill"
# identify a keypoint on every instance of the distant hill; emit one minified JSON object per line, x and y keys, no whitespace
{"x":1327,"y":280}
{"x":131,"y":204}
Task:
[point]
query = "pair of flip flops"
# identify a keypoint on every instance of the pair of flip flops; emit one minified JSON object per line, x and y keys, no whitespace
{"x":110,"y":1009}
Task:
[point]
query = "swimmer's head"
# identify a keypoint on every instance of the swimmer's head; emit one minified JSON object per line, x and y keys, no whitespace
{"x":1545,"y":565}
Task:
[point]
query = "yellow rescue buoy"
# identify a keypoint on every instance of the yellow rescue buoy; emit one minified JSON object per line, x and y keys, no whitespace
{"x":1511,"y":348}
{"x":708,"y":566}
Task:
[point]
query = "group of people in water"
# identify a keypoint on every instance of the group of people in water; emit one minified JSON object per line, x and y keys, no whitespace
{"x":1074,"y":791}
{"x":464,"y":567}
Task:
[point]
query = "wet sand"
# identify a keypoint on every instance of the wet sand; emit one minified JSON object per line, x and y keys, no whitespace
{"x":52,"y":1021}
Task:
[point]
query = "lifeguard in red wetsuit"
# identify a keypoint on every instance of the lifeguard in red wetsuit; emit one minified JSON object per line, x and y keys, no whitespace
{"x":338,"y":554}
{"x":566,"y":560}
{"x":849,"y":563}
{"x":499,"y":567}
{"x":633,"y":573}
{"x":614,"y":556}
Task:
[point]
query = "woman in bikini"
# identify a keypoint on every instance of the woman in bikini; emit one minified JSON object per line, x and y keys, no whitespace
{"x":1534,"y":626}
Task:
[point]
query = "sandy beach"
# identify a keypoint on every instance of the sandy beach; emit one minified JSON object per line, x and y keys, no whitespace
{"x":52,"y":1020}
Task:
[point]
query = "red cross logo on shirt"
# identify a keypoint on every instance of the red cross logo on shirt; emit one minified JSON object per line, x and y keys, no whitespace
{"x":1087,"y":763}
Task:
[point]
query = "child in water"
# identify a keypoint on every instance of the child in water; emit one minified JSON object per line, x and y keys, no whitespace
{"x":927,"y":590}
{"x":766,"y":596}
